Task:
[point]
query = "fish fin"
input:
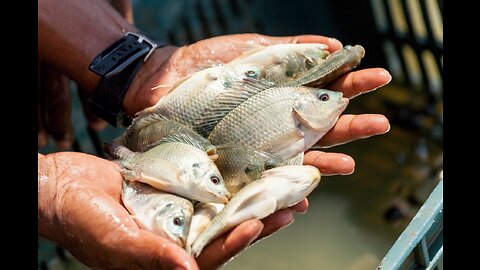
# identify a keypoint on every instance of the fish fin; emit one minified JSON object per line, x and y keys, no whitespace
{"x":227,"y":101}
{"x":117,"y":151}
{"x":255,"y":207}
{"x":128,"y":174}
{"x":144,"y":120}
{"x":181,"y":138}
{"x":163,"y":184}
{"x":296,"y":160}
{"x":276,"y":145}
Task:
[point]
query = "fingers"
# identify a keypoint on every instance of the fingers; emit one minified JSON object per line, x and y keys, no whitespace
{"x":362,"y":81}
{"x":330,"y":163}
{"x":57,"y":106}
{"x":150,"y":251}
{"x":275,"y":222}
{"x":301,"y":207}
{"x":332,"y":43}
{"x":351,"y":127}
{"x":226,"y":247}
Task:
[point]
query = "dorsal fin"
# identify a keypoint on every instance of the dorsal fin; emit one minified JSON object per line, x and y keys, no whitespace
{"x":181,"y":138}
{"x":146,"y":120}
{"x":227,"y":101}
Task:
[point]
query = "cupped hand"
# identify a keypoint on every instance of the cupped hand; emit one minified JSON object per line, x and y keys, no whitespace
{"x":80,"y":208}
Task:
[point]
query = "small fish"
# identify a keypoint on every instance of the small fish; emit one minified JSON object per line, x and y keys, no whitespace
{"x":283,"y":121}
{"x":242,"y":165}
{"x":151,"y":130}
{"x":203,"y":214}
{"x":190,"y":97}
{"x":278,"y":188}
{"x":161,"y":213}
{"x":173,"y":167}
{"x":336,"y":64}
{"x":281,"y":63}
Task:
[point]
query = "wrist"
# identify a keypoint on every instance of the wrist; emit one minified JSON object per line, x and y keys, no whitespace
{"x":151,"y":74}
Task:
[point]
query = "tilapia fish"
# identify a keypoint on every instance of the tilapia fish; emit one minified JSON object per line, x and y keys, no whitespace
{"x":173,"y":167}
{"x":190,"y":97}
{"x":161,"y":213}
{"x":242,"y":165}
{"x":278,"y":188}
{"x":151,"y":130}
{"x":202,"y":215}
{"x":336,"y":64}
{"x":283,"y":121}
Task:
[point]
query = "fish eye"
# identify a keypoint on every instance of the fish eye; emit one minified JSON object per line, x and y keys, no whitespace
{"x":215,"y":180}
{"x":251,"y":74}
{"x":324,"y":97}
{"x":269,"y":165}
{"x":178,"y":221}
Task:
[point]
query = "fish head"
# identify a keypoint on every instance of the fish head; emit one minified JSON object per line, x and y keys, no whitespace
{"x":174,"y":218}
{"x":208,"y":179}
{"x":238,"y":72}
{"x":296,"y":60}
{"x":319,"y":109}
{"x":260,"y":162}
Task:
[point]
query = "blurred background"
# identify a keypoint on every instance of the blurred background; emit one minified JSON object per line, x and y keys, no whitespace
{"x":352,"y":220}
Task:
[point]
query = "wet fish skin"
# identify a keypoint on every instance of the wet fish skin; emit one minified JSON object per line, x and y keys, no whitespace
{"x":161,"y":213}
{"x":336,"y":64}
{"x":281,"y":63}
{"x":279,"y":188}
{"x":283,"y":121}
{"x":203,"y":214}
{"x":173,"y":167}
{"x":150,"y":130}
{"x":240,"y":165}
{"x":190,"y":97}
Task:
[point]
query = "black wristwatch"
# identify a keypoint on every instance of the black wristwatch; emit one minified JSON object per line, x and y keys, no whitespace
{"x":117,"y":66}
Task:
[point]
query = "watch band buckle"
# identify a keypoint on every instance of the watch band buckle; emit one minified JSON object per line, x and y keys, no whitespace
{"x":142,"y":38}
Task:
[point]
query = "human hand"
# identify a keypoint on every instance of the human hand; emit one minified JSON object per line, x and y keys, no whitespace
{"x":79,"y":207}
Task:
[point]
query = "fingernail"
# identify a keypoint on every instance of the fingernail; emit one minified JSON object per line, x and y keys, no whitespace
{"x":384,"y":73}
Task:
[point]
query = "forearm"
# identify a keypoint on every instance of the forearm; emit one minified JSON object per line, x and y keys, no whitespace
{"x":71,"y":33}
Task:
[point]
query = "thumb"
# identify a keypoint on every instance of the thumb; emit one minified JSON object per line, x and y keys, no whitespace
{"x":150,"y":251}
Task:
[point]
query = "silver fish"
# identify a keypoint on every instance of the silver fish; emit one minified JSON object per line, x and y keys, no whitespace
{"x":336,"y":64}
{"x":161,"y":213}
{"x":278,"y":188}
{"x":150,"y":130}
{"x":174,"y":167}
{"x":242,"y":165}
{"x":189,"y":98}
{"x":281,"y":63}
{"x":283,"y":121}
{"x":203,"y":214}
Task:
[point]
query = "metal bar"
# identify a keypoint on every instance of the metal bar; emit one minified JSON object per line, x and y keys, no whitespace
{"x":421,"y":253}
{"x":434,"y":262}
{"x":415,"y":231}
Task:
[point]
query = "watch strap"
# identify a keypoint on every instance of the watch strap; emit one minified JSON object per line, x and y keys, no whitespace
{"x":117,"y":65}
